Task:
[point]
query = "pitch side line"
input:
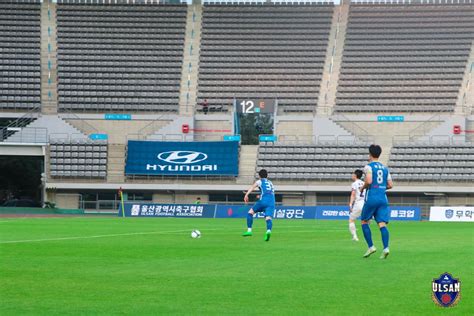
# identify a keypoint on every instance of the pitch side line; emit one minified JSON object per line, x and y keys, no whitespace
{"x":132,"y":234}
{"x":96,"y":236}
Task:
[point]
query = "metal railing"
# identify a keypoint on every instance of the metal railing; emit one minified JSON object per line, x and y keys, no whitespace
{"x":66,"y":137}
{"x":30,"y":135}
{"x":405,"y":2}
{"x":177,"y":137}
{"x":82,"y":125}
{"x":433,"y":139}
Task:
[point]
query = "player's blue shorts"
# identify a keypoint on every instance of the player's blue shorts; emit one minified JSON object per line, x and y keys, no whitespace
{"x":377,"y":209}
{"x":263,"y":206}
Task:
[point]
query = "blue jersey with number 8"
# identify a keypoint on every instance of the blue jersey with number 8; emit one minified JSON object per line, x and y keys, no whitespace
{"x":380,"y":177}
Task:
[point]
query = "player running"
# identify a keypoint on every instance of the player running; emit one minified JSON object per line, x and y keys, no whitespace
{"x":356,"y":202}
{"x":266,"y":203}
{"x":377,"y":182}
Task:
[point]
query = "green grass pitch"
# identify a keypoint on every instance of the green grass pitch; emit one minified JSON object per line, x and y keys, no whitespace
{"x":115,"y":266}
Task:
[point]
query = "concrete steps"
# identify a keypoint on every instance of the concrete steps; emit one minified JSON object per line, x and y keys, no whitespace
{"x":52,"y":126}
{"x":465,"y":100}
{"x":332,"y":65}
{"x":189,"y":76}
{"x":49,"y":77}
{"x":116,"y":163}
{"x":247,"y":164}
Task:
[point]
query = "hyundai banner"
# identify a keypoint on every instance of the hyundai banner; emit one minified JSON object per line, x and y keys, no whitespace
{"x":182,"y":158}
{"x":452,"y":214}
{"x":167,"y":210}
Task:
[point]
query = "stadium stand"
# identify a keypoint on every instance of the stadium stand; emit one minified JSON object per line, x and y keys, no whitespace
{"x":20,"y":35}
{"x":404,"y":57}
{"x":80,"y":158}
{"x":322,"y":161}
{"x":120,"y":57}
{"x":263,"y":51}
{"x":43,"y":128}
{"x":432,"y":162}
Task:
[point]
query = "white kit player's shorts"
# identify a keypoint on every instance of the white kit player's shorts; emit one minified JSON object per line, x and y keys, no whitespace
{"x":356,"y":210}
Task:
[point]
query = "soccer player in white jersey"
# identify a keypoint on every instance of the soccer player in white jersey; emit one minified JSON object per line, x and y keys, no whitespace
{"x":356,"y":202}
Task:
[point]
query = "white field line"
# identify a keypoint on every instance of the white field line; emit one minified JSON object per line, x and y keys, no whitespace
{"x":96,"y":236}
{"x":143,"y":233}
{"x":12,"y":220}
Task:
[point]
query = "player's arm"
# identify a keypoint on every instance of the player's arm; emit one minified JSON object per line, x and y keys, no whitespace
{"x":352,"y":199}
{"x":389,"y":182}
{"x":367,"y":178}
{"x":250,"y":190}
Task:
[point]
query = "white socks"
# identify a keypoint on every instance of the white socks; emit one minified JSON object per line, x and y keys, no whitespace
{"x":352,"y":229}
{"x":249,"y":230}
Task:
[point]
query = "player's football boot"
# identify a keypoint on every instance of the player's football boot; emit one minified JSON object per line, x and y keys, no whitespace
{"x":247,"y":234}
{"x":355,"y":238}
{"x":370,"y":251}
{"x":384,"y":254}
{"x":267,"y":236}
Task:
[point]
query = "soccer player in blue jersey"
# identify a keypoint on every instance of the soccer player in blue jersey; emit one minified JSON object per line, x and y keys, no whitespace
{"x":265,"y":204}
{"x":377,"y":182}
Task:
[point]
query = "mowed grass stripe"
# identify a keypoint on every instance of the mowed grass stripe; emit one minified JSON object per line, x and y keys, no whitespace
{"x":311,"y":269}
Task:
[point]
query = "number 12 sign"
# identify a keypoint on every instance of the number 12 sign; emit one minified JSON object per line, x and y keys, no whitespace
{"x":255,"y":106}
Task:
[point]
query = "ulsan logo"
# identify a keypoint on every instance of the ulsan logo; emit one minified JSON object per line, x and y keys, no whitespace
{"x":181,"y":161}
{"x":446,"y":290}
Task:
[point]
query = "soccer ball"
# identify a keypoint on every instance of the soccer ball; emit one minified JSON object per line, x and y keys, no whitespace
{"x":196,"y":234}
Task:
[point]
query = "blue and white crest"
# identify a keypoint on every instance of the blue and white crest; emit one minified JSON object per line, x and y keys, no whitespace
{"x":446,"y":290}
{"x":449,"y":213}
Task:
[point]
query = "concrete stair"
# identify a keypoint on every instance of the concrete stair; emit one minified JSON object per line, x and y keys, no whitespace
{"x":326,"y":126}
{"x":247,"y":164}
{"x":53,"y":125}
{"x":116,"y":163}
{"x":465,"y":100}
{"x":470,"y":129}
{"x":49,"y":75}
{"x":189,"y":76}
{"x":332,"y":65}
{"x":171,"y":130}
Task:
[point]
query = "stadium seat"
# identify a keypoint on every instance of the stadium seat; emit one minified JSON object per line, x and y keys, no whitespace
{"x":81,"y":159}
{"x":118,"y":45}
{"x":408,"y":58}
{"x":253,"y":51}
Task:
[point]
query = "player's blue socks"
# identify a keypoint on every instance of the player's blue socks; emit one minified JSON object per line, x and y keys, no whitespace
{"x":384,"y":232}
{"x":249,"y":220}
{"x":269,"y":224}
{"x":368,"y":235}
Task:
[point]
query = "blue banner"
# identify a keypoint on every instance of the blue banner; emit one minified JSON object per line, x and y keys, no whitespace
{"x":132,"y":209}
{"x":232,"y":138}
{"x":281,"y":212}
{"x":182,"y":158}
{"x":400,"y":213}
{"x":267,"y":138}
{"x":390,"y":118}
{"x":118,"y":117}
{"x":405,"y":213}
{"x":332,"y":212}
{"x":99,"y":136}
{"x":167,"y":210}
